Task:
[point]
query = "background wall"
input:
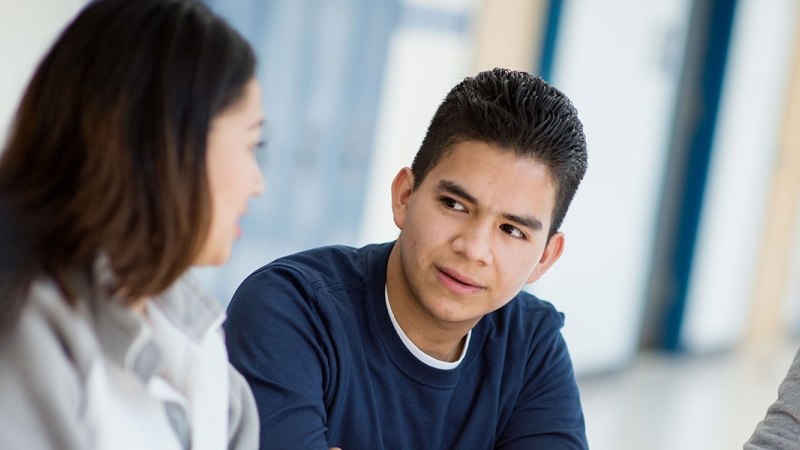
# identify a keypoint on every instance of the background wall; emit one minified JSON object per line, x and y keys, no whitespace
{"x":623,"y":80}
{"x":27,"y":28}
{"x":743,"y":163}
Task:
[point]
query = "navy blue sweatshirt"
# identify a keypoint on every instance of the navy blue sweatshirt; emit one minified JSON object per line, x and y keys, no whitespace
{"x":312,"y":335}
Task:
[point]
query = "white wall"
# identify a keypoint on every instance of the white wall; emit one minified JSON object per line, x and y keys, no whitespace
{"x":727,"y":253}
{"x":27,"y":29}
{"x":791,"y":299}
{"x":619,"y":61}
{"x":422,"y":66}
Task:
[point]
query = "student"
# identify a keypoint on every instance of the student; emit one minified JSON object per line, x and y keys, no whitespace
{"x":780,"y":428}
{"x":428,"y":342}
{"x":130,"y":159}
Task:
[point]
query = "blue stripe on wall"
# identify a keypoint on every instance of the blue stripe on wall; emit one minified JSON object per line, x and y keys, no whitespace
{"x":550,"y":37}
{"x":719,"y":34}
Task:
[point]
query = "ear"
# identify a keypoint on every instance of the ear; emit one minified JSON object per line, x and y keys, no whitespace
{"x":402,"y":187}
{"x":550,"y":255}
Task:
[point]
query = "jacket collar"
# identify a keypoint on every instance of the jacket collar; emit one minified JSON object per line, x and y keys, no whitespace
{"x":126,"y":336}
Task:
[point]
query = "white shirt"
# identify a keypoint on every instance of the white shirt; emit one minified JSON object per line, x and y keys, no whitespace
{"x":422,"y":356}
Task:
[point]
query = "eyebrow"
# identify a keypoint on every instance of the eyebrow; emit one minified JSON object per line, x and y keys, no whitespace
{"x":258,"y":124}
{"x":458,"y":191}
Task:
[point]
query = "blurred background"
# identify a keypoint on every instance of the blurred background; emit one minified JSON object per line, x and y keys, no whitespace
{"x":681,"y":277}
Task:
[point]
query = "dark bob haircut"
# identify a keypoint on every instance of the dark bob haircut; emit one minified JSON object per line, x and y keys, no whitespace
{"x":518,"y":112}
{"x":107,"y":152}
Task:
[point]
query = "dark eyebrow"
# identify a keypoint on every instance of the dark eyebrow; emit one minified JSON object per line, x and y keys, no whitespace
{"x":526,"y":221}
{"x":453,"y":188}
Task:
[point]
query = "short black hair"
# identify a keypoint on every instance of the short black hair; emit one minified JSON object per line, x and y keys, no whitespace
{"x":517,"y":112}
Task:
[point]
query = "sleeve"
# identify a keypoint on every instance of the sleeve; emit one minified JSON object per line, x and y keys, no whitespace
{"x":277,"y":341}
{"x":780,"y":429}
{"x":548,"y":412}
{"x":40,"y":388}
{"x":243,"y":415}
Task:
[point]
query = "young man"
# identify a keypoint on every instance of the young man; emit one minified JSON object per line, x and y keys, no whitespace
{"x":427,"y":342}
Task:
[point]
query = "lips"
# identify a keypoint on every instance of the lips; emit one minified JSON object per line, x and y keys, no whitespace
{"x":238,"y":225}
{"x":457,"y":282}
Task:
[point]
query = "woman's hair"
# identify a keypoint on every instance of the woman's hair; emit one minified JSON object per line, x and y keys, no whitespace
{"x":107,"y":152}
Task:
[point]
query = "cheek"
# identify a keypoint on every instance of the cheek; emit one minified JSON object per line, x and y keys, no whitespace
{"x":423,"y":236}
{"x":222,"y":200}
{"x":227,"y":180}
{"x":525,"y":264}
{"x":216,"y":185}
{"x":516,"y":261}
{"x":219,"y":200}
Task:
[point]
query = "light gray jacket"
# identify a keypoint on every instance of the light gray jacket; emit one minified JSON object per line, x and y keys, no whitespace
{"x":97,"y":376}
{"x":780,"y":429}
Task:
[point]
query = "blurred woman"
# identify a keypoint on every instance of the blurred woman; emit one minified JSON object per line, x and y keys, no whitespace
{"x":130,"y":159}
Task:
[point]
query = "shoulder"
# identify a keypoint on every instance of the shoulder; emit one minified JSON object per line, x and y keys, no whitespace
{"x":308,"y":285}
{"x":49,"y":323}
{"x":524,"y":326}
{"x":527,"y":313}
{"x":329,"y":267}
{"x":44,"y":364}
{"x":781,"y":423}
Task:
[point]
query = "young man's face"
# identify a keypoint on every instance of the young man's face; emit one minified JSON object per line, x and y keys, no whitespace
{"x":474,"y":232}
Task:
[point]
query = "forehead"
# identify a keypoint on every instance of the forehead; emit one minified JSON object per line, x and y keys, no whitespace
{"x":497,"y":178}
{"x":246,"y":107}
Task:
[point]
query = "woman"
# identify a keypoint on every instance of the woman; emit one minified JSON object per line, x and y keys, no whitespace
{"x":130,"y":159}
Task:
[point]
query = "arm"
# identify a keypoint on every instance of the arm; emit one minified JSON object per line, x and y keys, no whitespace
{"x":41,"y":391}
{"x":780,"y":429}
{"x":277,"y":340}
{"x":242,"y":414}
{"x":548,"y":412}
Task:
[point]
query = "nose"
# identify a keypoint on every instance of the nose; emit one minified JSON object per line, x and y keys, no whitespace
{"x":474,"y":242}
{"x":259,"y":184}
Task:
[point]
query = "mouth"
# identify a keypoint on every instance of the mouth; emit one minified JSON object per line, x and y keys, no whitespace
{"x":456,"y":282}
{"x":239,"y":225}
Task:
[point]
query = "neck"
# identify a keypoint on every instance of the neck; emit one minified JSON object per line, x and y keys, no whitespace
{"x":139,"y":305}
{"x":438,"y":339}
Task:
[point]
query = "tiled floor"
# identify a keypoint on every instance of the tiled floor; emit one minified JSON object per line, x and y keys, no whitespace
{"x":675,"y":402}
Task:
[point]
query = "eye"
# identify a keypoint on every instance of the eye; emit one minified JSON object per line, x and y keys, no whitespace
{"x":513,"y":231}
{"x":453,"y":204}
{"x":257,"y":147}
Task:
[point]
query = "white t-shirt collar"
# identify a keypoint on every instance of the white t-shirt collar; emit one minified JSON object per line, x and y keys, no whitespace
{"x":422,"y":356}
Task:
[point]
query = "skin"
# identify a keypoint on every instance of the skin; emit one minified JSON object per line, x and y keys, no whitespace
{"x":233,"y":172}
{"x":233,"y":175}
{"x":472,"y":235}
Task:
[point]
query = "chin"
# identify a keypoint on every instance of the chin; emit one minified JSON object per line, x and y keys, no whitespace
{"x":451,"y":315}
{"x":213,"y":259}
{"x":222,"y":258}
